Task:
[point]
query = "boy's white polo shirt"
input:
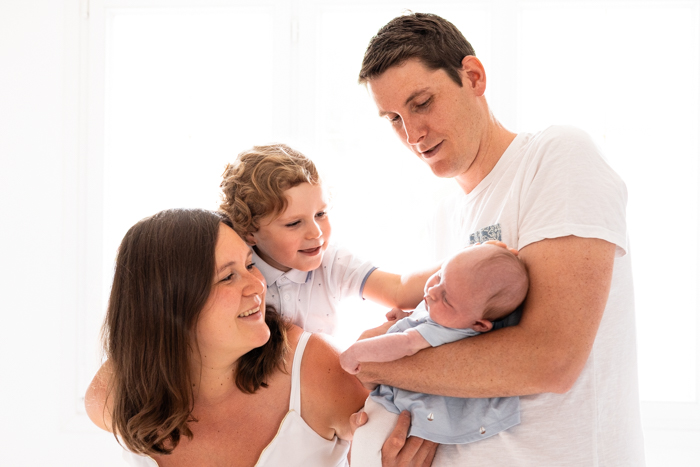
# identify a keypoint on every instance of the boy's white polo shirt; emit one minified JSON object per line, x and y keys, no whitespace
{"x":309,"y":299}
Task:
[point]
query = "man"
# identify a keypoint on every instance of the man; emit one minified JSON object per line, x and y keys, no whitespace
{"x":572,"y":356}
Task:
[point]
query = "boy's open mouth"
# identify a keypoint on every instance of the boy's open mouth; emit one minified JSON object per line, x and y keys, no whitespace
{"x":311,"y":251}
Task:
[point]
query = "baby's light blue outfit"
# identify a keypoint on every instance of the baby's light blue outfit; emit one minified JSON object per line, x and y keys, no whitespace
{"x":446,"y":420}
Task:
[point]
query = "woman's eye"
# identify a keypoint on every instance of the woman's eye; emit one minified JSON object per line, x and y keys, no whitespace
{"x":227,"y":278}
{"x":292,"y":224}
{"x":250,"y":267}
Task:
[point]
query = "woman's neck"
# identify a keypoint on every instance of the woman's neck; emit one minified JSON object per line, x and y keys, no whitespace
{"x":213,"y":382}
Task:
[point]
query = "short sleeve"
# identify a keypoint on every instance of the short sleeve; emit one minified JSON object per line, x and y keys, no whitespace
{"x":569,"y":189}
{"x":345,"y":273}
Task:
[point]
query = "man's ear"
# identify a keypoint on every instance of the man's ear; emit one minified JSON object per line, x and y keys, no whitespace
{"x":249,"y":238}
{"x":482,"y":325}
{"x":473,"y":74}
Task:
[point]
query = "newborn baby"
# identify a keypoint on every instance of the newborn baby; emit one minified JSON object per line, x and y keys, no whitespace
{"x":475,"y":287}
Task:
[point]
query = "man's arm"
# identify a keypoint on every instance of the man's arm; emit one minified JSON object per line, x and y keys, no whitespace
{"x":397,"y":291}
{"x":569,"y":286}
{"x":386,"y":348}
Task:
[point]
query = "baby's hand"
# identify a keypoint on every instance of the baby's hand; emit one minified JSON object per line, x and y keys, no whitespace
{"x":349,"y":363}
{"x":396,"y":313}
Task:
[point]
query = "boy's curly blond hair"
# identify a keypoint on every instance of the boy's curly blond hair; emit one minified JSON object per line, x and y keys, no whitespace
{"x":253,"y":185}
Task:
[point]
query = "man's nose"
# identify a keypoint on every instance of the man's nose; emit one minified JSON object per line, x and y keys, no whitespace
{"x":415,"y":130}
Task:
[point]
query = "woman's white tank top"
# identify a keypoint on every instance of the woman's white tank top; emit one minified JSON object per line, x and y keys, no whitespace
{"x":296,"y":444}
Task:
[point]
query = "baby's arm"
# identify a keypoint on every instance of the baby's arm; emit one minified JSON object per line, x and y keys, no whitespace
{"x":397,"y":291}
{"x":385,"y":348}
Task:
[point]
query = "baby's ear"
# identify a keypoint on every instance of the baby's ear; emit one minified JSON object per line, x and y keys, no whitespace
{"x":482,"y":325}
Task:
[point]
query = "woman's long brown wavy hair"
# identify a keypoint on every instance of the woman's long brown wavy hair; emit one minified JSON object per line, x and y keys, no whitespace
{"x":162,"y":279}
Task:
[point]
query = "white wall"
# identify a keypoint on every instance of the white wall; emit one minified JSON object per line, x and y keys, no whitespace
{"x":39,"y":423}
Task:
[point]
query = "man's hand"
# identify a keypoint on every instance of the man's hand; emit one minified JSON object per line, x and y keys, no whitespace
{"x":399,"y":451}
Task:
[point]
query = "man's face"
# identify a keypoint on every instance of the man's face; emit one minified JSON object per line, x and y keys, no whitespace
{"x":439,"y":121}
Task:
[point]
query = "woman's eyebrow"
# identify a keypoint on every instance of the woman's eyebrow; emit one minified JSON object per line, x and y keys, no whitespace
{"x":224,"y":266}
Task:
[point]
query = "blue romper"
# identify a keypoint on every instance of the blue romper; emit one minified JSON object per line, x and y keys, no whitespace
{"x":442,"y":419}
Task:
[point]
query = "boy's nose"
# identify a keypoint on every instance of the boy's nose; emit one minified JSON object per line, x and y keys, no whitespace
{"x":314,"y":231}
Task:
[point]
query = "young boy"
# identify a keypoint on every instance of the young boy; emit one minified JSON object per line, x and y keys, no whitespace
{"x":473,"y":288}
{"x":278,"y":205}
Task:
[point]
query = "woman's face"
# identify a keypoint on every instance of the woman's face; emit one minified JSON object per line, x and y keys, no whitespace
{"x":232,"y":321}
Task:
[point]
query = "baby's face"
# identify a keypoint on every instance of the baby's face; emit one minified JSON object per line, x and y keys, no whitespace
{"x":450,"y":295}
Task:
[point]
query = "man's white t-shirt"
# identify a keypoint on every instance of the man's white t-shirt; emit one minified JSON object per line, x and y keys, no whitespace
{"x":547,"y":185}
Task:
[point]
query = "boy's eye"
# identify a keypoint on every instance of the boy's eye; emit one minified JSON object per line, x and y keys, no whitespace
{"x":321,"y":214}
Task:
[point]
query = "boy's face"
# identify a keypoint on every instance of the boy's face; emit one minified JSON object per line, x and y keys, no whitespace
{"x":451,"y":296}
{"x":297,"y":238}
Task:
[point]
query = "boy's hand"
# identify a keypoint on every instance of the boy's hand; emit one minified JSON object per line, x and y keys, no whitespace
{"x":396,"y":314}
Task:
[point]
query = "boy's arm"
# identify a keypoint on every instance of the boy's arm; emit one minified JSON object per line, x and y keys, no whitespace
{"x":397,"y":291}
{"x":385,"y":348}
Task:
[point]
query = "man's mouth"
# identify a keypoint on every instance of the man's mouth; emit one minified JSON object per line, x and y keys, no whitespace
{"x":427,"y":154}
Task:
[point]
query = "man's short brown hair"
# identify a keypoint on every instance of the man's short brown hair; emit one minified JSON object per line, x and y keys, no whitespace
{"x":436,"y":42}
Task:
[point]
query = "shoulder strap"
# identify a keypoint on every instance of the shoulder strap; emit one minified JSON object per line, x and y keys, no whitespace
{"x":295,"y":395}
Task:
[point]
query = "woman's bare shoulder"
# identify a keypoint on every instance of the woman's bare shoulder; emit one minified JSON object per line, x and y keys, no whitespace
{"x":329,"y":394}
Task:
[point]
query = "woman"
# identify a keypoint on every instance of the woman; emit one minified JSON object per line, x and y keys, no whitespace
{"x":199,"y":371}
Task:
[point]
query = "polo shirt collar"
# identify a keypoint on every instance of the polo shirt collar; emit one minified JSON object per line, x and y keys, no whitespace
{"x":273,"y":274}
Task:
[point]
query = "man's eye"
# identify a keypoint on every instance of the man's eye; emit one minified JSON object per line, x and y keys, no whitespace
{"x":395,"y":119}
{"x":424,"y":104}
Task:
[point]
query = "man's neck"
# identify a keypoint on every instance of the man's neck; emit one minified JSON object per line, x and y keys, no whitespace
{"x":493,"y":145}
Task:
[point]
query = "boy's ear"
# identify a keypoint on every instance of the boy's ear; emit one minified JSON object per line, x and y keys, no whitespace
{"x":249,"y":239}
{"x":482,"y":325}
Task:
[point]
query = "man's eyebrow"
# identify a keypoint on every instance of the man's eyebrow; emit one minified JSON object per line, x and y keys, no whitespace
{"x":413,"y":95}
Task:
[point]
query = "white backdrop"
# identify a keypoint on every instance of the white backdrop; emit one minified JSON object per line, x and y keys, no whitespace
{"x":47,"y":240}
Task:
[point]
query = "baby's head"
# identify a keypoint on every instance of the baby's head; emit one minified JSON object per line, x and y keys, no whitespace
{"x":475,"y":287}
{"x":276,"y":200}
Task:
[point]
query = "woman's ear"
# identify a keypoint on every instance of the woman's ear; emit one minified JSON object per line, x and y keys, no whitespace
{"x":482,"y":325}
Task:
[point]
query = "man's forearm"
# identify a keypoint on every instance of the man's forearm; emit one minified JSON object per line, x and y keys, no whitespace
{"x":569,"y":286}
